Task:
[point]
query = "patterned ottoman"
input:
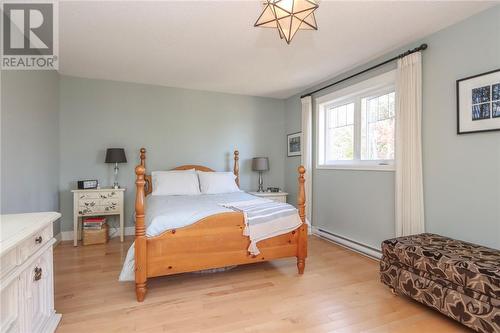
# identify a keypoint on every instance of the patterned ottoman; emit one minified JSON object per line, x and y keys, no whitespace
{"x":459,"y":279}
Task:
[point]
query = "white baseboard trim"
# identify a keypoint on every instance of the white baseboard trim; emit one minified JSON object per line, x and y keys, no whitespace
{"x":348,"y":244}
{"x":129,"y":231}
{"x":68,"y":235}
{"x":309,"y":227}
{"x":58,"y":238}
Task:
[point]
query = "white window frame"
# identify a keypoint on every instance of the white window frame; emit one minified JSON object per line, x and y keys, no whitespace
{"x":370,"y":87}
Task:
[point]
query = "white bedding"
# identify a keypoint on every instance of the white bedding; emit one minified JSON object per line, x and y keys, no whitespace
{"x":166,"y":212}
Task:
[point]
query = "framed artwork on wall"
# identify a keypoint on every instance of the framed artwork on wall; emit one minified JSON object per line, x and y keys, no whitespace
{"x":478,"y":103}
{"x":293,"y":144}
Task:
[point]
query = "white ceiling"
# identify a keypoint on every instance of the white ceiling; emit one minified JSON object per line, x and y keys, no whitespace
{"x":213,"y":46}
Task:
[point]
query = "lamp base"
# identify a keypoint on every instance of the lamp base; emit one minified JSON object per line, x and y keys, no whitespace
{"x":115,"y":184}
{"x":261,"y":183}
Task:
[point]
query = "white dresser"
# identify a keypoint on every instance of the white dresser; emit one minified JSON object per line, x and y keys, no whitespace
{"x":26,"y":273}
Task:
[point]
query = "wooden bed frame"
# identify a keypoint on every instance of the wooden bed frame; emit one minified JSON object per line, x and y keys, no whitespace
{"x":213,"y":242}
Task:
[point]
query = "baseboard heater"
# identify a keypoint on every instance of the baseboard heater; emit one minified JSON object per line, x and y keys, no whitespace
{"x":349,"y":243}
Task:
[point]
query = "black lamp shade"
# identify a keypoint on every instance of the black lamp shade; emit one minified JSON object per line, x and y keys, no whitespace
{"x":115,"y":155}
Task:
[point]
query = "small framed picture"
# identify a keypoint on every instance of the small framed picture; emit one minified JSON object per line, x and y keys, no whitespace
{"x":294,"y":141}
{"x":478,"y":103}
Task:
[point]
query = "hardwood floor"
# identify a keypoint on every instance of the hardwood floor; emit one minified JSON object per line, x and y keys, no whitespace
{"x":339,"y":292}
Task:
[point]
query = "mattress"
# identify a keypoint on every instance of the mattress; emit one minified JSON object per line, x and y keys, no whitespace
{"x":167,"y":212}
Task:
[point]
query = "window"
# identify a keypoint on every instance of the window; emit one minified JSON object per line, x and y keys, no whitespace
{"x":355,"y":126}
{"x":340,"y":131}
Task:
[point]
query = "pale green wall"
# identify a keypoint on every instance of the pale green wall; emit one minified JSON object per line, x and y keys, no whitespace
{"x":461,"y":173}
{"x":29,"y":142}
{"x":461,"y":178}
{"x":177,"y":126}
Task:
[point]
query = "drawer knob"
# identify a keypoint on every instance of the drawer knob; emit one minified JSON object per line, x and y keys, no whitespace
{"x":38,"y":240}
{"x":38,"y":273}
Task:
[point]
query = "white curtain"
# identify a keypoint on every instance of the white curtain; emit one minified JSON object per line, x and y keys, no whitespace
{"x":306,"y":157}
{"x":409,"y":183}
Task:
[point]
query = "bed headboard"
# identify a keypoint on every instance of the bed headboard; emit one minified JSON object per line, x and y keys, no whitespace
{"x":148,"y":188}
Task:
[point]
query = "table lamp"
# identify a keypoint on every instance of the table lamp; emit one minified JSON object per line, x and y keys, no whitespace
{"x":116,"y":155}
{"x":260,"y":164}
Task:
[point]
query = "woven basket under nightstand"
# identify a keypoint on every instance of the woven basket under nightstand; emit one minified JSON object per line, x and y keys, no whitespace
{"x":96,"y":236}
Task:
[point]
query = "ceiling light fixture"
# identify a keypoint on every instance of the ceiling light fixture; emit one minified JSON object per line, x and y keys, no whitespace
{"x":288,"y":16}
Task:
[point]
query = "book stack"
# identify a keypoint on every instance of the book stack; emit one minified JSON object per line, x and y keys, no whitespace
{"x":94,"y":223}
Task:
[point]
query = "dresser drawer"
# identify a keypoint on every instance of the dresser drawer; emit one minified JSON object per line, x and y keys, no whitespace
{"x":9,"y":303}
{"x":34,"y":242}
{"x":8,"y":261}
{"x":38,"y":287}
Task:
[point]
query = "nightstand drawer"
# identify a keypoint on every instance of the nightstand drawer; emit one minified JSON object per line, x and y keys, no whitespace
{"x":109,"y":194}
{"x":278,"y":199}
{"x":102,"y":194}
{"x":275,"y":196}
{"x":109,"y":202}
{"x":88,"y":203}
{"x":95,"y":210}
{"x":89,"y":195}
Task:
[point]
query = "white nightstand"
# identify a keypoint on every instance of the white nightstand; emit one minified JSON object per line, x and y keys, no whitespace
{"x":276,"y":196}
{"x":103,"y":201}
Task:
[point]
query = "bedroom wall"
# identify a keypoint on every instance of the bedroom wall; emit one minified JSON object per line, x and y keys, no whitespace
{"x":177,"y":126}
{"x":461,"y":177}
{"x":29,"y":142}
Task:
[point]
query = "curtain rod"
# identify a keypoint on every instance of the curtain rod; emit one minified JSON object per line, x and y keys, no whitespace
{"x":404,"y":54}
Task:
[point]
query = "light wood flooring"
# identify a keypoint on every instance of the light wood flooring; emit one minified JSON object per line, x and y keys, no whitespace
{"x":339,"y":292}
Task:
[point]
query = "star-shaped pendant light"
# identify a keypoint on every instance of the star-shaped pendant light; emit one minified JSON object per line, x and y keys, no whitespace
{"x":288,"y":16}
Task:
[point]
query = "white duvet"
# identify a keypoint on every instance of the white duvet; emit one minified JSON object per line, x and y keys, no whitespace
{"x":166,"y":212}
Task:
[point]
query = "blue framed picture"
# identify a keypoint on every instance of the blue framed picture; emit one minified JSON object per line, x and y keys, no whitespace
{"x":478,"y":103}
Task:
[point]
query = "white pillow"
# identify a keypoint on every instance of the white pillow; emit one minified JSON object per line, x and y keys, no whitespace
{"x":217,"y":182}
{"x":176,"y":182}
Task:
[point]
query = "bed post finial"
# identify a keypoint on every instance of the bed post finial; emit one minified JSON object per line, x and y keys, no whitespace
{"x":143,"y":157}
{"x":236,"y":169}
{"x":140,"y":231}
{"x":302,"y":241}
{"x":301,"y":200}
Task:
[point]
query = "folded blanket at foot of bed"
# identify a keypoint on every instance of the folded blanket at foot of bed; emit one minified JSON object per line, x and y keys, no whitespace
{"x":264,"y":219}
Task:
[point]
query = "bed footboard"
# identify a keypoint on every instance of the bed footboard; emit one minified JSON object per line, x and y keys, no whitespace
{"x":215,"y":241}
